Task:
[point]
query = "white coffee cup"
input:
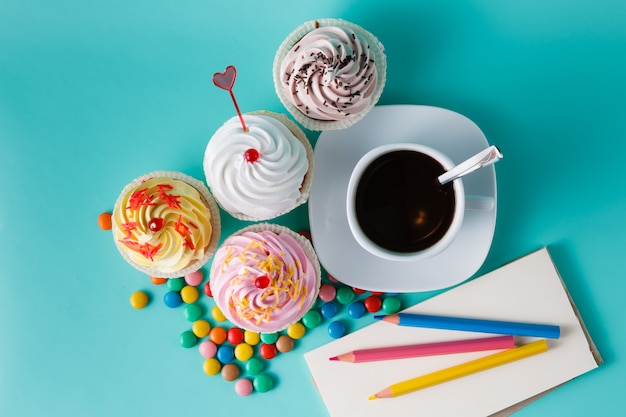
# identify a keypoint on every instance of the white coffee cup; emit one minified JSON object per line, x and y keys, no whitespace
{"x":396,"y":208}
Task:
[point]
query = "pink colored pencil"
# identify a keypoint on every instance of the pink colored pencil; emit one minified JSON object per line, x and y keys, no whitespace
{"x":426,"y":349}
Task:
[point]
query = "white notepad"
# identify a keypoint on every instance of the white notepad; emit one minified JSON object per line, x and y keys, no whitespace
{"x":528,"y":289}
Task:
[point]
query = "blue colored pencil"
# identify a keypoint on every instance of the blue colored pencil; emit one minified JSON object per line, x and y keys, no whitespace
{"x":473,"y":325}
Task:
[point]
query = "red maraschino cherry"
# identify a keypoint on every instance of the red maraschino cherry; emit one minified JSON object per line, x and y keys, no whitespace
{"x":155,"y":224}
{"x":251,"y":155}
{"x":262,"y":282}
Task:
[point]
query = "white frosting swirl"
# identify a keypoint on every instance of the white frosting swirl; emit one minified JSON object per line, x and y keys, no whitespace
{"x":330,"y":74}
{"x":266,"y":187}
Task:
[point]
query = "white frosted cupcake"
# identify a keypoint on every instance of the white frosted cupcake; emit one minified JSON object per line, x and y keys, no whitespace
{"x":329,"y":73}
{"x":261,"y":173}
{"x":166,"y":224}
{"x":265,"y":277}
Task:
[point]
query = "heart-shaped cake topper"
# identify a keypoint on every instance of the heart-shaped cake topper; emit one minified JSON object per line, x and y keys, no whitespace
{"x":225,"y":80}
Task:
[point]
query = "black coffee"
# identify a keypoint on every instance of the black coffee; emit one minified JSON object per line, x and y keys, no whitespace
{"x":399,"y":203}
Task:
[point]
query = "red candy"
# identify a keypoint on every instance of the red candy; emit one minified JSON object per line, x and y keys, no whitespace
{"x":373,"y":303}
{"x":155,"y":224}
{"x":207,"y":289}
{"x":376,"y":293}
{"x":268,"y":351}
{"x":262,"y":282}
{"x":358,"y":290}
{"x":251,"y":155}
{"x":235,"y":336}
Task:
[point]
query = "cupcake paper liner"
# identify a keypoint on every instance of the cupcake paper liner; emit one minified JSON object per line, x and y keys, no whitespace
{"x":294,"y":37}
{"x":215,"y":224}
{"x":308,"y":179}
{"x":309,"y":252}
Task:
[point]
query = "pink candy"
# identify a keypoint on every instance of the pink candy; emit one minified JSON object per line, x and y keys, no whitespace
{"x":243,"y":387}
{"x":327,"y":292}
{"x":194,"y":279}
{"x":207,"y":349}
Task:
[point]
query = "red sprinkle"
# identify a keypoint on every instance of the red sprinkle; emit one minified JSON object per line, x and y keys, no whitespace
{"x":251,"y":155}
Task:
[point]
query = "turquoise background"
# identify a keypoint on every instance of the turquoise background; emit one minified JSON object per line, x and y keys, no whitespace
{"x":96,"y":93}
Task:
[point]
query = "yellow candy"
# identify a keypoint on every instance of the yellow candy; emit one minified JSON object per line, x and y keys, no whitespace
{"x":296,"y":330}
{"x":211,"y":366}
{"x":201,"y":328}
{"x":243,"y":352}
{"x":189,"y":294}
{"x":139,"y":299}
{"x":217,"y":314}
{"x":251,"y":338}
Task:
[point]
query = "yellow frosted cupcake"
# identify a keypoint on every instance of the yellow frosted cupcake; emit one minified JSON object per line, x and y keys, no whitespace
{"x":166,"y":224}
{"x":329,"y":73}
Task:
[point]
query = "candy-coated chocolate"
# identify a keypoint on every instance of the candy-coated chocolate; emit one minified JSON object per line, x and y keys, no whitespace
{"x":391,"y":305}
{"x":336,"y":329}
{"x":243,"y":387}
{"x":225,"y":354}
{"x":284,"y":344}
{"x":305,"y":233}
{"x":201,"y":328}
{"x":327,"y":292}
{"x":268,"y":351}
{"x":251,"y":338}
{"x":296,"y":330}
{"x":269,"y":338}
{"x":312,"y":319}
{"x":175,"y":284}
{"x":230,"y":371}
{"x":189,"y":294}
{"x":356,"y":309}
{"x":235,"y":335}
{"x":193,"y":312}
{"x":104,"y":221}
{"x":373,"y":303}
{"x":357,"y":290}
{"x":194,"y":278}
{"x":345,"y":295}
{"x":207,"y":289}
{"x":139,"y":299}
{"x":188,"y":339}
{"x":243,"y":352}
{"x":328,"y":310}
{"x":262,"y":383}
{"x":211,"y":366}
{"x":254,"y":366}
{"x":172,"y":299}
{"x":158,"y":280}
{"x":217,"y":314}
{"x":378,"y":293}
{"x":217,"y":335}
{"x":207,"y":349}
{"x":332,"y":278}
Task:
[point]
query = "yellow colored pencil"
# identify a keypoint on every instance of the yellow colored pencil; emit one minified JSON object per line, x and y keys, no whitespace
{"x":462,"y":370}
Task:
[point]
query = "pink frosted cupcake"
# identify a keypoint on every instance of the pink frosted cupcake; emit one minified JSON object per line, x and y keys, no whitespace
{"x":265,"y":277}
{"x":329,"y":73}
{"x":166,"y":224}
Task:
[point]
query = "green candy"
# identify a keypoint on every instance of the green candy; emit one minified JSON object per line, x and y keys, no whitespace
{"x":188,"y":339}
{"x":175,"y":284}
{"x":262,"y":383}
{"x":193,"y":312}
{"x":391,"y":305}
{"x":254,"y":366}
{"x":345,"y":295}
{"x":312,"y":319}
{"x":269,"y":338}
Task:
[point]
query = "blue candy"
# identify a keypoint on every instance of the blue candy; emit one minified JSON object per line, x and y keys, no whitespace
{"x":328,"y":310}
{"x":336,"y":329}
{"x":172,"y":299}
{"x":356,"y":309}
{"x":225,"y":354}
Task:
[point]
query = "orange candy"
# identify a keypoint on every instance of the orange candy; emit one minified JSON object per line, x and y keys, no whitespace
{"x":218,"y":335}
{"x":104,"y":221}
{"x":158,"y":281}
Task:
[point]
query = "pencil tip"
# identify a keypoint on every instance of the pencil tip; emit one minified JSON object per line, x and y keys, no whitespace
{"x":372,"y":397}
{"x":334,"y":358}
